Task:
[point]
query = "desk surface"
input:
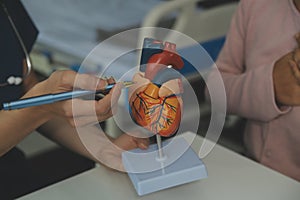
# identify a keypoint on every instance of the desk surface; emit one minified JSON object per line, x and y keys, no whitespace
{"x":230,"y":176}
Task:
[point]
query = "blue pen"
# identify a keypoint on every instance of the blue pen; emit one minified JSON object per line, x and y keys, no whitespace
{"x":52,"y":98}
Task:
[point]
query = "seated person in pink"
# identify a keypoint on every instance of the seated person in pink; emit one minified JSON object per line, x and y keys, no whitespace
{"x":259,"y":64}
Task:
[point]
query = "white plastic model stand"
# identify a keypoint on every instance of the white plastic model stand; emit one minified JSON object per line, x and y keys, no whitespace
{"x":149,"y":173}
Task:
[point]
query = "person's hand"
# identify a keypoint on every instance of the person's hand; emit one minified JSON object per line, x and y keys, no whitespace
{"x":290,"y":75}
{"x":111,"y":154}
{"x":128,"y":142}
{"x":295,"y":62}
{"x":285,"y":78}
{"x":86,"y":111}
{"x":297,"y":38}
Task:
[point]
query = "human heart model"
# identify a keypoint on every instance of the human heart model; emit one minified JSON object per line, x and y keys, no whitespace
{"x":155,"y":101}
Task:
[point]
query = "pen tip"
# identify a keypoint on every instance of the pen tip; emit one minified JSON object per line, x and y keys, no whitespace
{"x":128,"y":83}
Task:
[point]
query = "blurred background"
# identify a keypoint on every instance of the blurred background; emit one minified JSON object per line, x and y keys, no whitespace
{"x":70,"y":29}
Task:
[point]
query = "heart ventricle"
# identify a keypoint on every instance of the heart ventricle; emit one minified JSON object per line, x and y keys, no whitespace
{"x":160,"y":115}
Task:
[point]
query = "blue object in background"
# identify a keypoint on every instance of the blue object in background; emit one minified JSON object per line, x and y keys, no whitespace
{"x":212,"y":47}
{"x":150,"y":47}
{"x":75,"y":67}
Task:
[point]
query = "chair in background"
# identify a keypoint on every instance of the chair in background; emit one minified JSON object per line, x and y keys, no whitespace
{"x":191,"y":19}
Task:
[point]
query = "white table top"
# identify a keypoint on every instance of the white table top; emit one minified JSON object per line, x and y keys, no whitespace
{"x":230,"y":176}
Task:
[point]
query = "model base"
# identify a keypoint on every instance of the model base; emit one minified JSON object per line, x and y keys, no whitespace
{"x":149,"y":173}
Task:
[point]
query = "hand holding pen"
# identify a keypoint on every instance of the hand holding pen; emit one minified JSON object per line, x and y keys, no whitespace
{"x":76,"y":110}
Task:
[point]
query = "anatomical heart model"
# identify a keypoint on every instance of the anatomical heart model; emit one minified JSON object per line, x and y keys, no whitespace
{"x":156,"y":105}
{"x":155,"y":100}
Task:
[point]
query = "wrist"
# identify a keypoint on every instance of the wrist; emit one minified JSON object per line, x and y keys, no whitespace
{"x":27,"y":119}
{"x":38,"y":112}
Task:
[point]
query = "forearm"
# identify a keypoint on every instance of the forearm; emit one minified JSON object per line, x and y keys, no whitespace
{"x":92,"y":142}
{"x":61,"y":132}
{"x":247,"y":78}
{"x":251,"y":94}
{"x":17,"y":124}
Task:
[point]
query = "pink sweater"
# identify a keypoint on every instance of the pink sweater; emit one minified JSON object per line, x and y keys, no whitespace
{"x":261,"y":32}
